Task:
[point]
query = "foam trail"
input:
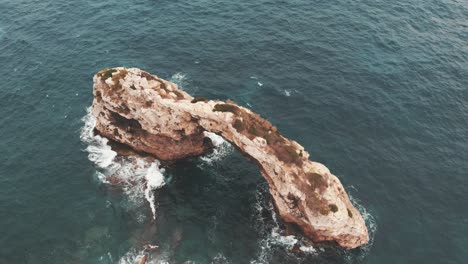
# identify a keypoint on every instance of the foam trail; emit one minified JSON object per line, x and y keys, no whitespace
{"x":99,"y":152}
{"x":154,"y":180}
{"x":138,"y":177}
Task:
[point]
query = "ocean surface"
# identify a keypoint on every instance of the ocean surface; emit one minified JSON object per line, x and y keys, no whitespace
{"x":376,"y":90}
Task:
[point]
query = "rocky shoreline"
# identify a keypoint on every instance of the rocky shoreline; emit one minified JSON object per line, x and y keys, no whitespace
{"x":152,"y":115}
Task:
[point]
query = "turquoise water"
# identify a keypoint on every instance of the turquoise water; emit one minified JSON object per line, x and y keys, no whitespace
{"x":376,"y":90}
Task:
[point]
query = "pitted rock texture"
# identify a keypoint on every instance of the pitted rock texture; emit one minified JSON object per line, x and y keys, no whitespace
{"x":152,"y":115}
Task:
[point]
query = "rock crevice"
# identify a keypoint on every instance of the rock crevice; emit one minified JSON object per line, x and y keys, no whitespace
{"x":152,"y":115}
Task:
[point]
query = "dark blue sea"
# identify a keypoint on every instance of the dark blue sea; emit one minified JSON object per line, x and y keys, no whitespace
{"x":376,"y":90}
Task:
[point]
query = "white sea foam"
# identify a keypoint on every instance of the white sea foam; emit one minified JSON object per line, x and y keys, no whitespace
{"x":220,"y":259}
{"x":100,"y":177}
{"x":286,"y":241}
{"x":154,"y":180}
{"x":308,"y":249}
{"x":134,"y":256}
{"x":288,"y":92}
{"x":215,"y":139}
{"x":99,"y":152}
{"x":273,"y":236}
{"x":370,"y":223}
{"x":179,"y":79}
{"x":222,"y":148}
{"x":138,"y":177}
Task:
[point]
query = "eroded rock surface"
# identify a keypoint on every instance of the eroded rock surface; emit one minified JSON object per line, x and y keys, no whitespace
{"x":152,"y":115}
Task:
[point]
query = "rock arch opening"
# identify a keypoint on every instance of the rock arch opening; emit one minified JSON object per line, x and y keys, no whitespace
{"x":152,"y":115}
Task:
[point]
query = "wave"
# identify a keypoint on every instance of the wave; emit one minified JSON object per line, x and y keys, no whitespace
{"x":274,"y":240}
{"x":180,"y":79}
{"x":134,"y":256}
{"x":273,"y":236}
{"x":140,"y":177}
{"x":371,"y":224}
{"x":100,"y":153}
{"x":137,"y":177}
{"x":222,"y":148}
{"x":220,"y":259}
{"x":154,"y":180}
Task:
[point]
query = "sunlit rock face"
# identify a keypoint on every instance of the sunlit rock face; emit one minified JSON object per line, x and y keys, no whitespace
{"x":152,"y":115}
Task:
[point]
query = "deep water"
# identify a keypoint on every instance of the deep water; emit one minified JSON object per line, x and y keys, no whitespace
{"x":376,"y":90}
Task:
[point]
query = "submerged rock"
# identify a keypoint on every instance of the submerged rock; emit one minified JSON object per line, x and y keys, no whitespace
{"x":143,"y":259}
{"x":152,"y":115}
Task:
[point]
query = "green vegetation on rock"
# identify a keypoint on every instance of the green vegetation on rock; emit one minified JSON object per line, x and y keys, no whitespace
{"x":333,"y":208}
{"x":226,"y":108}
{"x":105,"y":74}
{"x":199,"y":99}
{"x":252,"y":125}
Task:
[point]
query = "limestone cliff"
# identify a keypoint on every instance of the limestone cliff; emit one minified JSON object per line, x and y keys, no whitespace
{"x":152,"y":115}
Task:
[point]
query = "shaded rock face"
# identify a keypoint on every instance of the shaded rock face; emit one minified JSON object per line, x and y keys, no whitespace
{"x":152,"y":115}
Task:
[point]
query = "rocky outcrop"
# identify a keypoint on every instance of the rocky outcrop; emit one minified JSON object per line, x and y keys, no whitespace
{"x":152,"y":115}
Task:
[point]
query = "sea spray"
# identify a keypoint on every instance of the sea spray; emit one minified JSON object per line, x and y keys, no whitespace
{"x":179,"y":79}
{"x":99,"y":152}
{"x":134,"y":256}
{"x":222,"y":148}
{"x":273,"y":237}
{"x":154,"y":180}
{"x":371,"y":224}
{"x":217,"y":140}
{"x":138,"y":177}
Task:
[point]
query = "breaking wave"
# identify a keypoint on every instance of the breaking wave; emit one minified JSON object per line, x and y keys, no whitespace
{"x":220,"y":259}
{"x":180,"y":79}
{"x":137,"y":177}
{"x":222,"y":148}
{"x":273,"y":236}
{"x":371,"y":224}
{"x":134,"y":256}
{"x":274,"y":239}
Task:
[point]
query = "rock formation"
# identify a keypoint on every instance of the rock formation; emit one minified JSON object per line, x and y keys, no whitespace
{"x":152,"y":115}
